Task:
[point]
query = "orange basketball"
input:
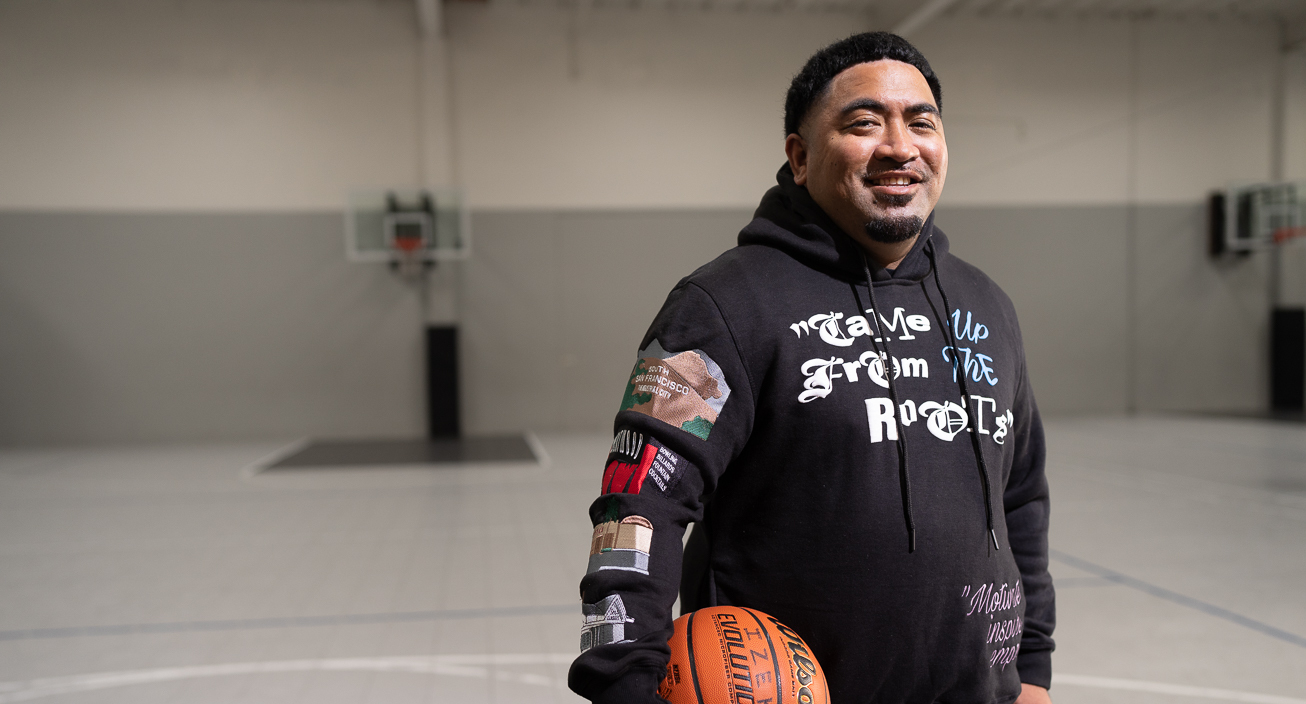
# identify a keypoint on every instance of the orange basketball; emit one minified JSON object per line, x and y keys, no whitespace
{"x":733,"y":655}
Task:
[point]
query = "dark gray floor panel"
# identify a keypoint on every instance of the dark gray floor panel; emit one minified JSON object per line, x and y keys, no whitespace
{"x":326,"y":454}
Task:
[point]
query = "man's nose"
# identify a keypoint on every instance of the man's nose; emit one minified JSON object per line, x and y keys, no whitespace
{"x":897,"y":144}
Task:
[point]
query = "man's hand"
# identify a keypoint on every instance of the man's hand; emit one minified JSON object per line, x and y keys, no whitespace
{"x":1033,"y":694}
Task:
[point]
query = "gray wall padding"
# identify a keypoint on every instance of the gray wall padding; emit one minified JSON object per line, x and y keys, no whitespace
{"x":122,"y":327}
{"x":1064,"y":270}
{"x":555,"y":305}
{"x":1203,"y":326}
{"x":193,"y":327}
{"x":1194,"y":330}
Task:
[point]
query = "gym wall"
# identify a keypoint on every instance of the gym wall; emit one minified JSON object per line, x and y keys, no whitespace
{"x":171,"y":238}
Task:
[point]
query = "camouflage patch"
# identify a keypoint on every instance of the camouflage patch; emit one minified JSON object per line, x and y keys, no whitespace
{"x":686,"y":390}
{"x":621,"y":545}
{"x":605,"y":622}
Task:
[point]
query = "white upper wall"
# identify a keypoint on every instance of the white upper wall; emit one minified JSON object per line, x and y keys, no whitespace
{"x":1295,"y":117}
{"x":288,"y":105}
{"x":1059,"y":112}
{"x":621,"y":108}
{"x":659,"y":108}
{"x":204,"y":104}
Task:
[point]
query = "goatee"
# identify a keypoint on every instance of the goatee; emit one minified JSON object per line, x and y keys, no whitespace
{"x":894,"y":230}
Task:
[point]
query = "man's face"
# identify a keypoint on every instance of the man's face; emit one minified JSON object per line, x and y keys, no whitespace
{"x":871,"y":151}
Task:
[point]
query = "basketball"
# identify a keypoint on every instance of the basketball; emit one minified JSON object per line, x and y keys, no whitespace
{"x":733,"y":655}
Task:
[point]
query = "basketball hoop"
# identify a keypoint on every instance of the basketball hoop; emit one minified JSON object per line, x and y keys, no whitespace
{"x":1284,"y":234}
{"x":409,"y":234}
{"x":409,"y":253}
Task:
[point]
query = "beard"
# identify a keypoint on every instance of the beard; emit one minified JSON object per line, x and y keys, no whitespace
{"x":892,"y":230}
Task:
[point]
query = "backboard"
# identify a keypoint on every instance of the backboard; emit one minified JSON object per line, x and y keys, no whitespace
{"x":1250,"y":217}
{"x":381,"y":225}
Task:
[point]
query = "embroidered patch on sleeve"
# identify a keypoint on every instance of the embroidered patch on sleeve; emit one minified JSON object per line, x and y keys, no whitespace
{"x":667,"y":468}
{"x":621,"y":545}
{"x":683,"y":389}
{"x":605,"y":622}
{"x":628,"y":463}
{"x":635,"y":457}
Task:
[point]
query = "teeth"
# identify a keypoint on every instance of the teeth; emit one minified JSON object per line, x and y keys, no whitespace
{"x":898,"y":181}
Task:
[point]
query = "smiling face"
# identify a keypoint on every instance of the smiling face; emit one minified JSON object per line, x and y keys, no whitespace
{"x":872,"y":153}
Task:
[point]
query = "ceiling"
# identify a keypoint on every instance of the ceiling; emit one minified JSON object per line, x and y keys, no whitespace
{"x":894,"y":12}
{"x":1251,"y":9}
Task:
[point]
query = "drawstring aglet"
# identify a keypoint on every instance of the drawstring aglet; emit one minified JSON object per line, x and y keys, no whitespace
{"x":911,"y":541}
{"x":994,"y":535}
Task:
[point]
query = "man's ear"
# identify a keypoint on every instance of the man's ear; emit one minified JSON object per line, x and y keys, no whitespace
{"x":796,"y":150}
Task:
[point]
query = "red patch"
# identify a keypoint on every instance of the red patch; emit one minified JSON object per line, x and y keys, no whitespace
{"x":623,"y":477}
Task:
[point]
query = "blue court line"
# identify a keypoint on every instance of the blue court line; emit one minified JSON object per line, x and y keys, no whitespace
{"x":286,"y":622}
{"x":1177,"y":598}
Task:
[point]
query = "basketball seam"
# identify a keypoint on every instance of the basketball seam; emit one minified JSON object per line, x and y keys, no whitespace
{"x":775,"y":659}
{"x":693,"y":667}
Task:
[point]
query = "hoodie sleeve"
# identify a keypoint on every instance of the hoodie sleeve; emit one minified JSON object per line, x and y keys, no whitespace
{"x":686,"y":412}
{"x":1025,"y":502}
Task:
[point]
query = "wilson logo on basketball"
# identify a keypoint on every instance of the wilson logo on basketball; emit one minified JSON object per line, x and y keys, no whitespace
{"x":733,"y":655}
{"x":806,"y":670}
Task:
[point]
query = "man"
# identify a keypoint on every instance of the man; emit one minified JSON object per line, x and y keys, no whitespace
{"x":842,"y":408}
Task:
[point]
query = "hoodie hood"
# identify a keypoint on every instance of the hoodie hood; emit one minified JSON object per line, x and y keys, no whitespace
{"x":788,"y":219}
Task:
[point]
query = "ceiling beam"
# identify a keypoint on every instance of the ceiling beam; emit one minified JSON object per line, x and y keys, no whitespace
{"x":429,"y":17}
{"x":918,"y":19}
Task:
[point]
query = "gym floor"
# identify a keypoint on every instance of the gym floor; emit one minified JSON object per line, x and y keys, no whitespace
{"x":183,"y":574}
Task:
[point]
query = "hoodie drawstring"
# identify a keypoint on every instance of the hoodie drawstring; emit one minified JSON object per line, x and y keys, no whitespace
{"x":886,"y":359}
{"x":965,"y":394}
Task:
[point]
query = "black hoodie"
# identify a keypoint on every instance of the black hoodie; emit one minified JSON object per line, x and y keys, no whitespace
{"x":874,"y":480}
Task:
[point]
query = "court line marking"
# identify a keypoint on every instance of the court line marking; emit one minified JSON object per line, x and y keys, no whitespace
{"x":1177,"y":598}
{"x":487,"y":667}
{"x":1176,"y":689}
{"x":251,"y":470}
{"x":475,"y":666}
{"x":541,"y":455}
{"x":286,"y":622}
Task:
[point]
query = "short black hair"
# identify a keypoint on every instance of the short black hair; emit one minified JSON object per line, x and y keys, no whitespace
{"x":810,"y":83}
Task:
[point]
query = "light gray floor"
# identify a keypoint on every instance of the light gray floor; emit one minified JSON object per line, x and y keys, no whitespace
{"x":173,"y":574}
